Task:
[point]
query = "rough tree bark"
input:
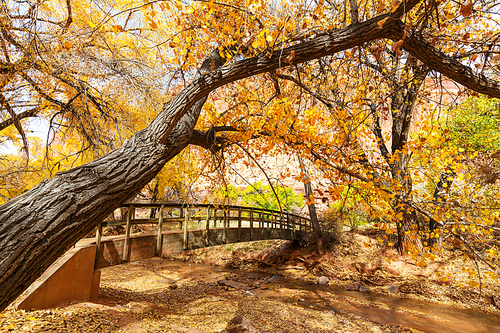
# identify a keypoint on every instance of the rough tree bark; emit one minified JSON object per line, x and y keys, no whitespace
{"x":41,"y":224}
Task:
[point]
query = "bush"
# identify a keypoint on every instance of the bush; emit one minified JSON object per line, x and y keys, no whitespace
{"x":331,"y":229}
{"x":331,"y":225}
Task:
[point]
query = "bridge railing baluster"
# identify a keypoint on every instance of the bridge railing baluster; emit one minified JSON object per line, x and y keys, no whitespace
{"x":186,"y":222}
{"x":251,"y":224}
{"x":130,"y":216}
{"x":281,"y":222}
{"x":159,"y":230}
{"x":224,"y":230}
{"x":98,"y":236}
{"x":207,"y":225}
{"x":239,"y":224}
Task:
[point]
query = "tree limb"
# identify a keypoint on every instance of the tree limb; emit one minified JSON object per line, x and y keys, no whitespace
{"x":26,"y":114}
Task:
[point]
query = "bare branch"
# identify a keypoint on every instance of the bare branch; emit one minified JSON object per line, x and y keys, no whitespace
{"x":15,"y":120}
{"x":69,"y":20}
{"x":26,"y":114}
{"x":354,"y":11}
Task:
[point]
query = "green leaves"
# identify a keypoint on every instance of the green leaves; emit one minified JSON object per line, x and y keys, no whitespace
{"x":262,"y":196}
{"x":475,"y":124}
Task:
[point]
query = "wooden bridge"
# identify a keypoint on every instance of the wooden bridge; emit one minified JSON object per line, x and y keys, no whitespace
{"x":176,"y":228}
{"x":186,"y":227}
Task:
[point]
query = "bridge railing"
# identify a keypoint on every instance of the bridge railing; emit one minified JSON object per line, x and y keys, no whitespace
{"x":185,"y":217}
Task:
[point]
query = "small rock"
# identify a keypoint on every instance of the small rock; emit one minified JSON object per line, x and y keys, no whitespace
{"x":393,"y":288}
{"x":172,"y":286}
{"x":363,"y":288}
{"x":323,"y":280}
{"x":240,"y":324}
{"x":239,"y":319}
{"x":353,"y":286}
{"x":301,"y":300}
{"x":392,"y":270}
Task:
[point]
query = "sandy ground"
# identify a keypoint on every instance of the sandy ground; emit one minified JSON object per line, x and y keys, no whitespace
{"x":359,"y":257}
{"x":160,"y":296}
{"x":154,"y":296}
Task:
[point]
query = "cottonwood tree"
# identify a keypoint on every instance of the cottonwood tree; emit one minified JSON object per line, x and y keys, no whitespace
{"x":41,"y":41}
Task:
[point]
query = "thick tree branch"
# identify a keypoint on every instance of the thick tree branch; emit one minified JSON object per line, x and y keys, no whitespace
{"x":4,"y":103}
{"x":402,"y":105}
{"x":436,"y":60}
{"x":377,"y":131}
{"x":209,"y":140}
{"x":69,"y":20}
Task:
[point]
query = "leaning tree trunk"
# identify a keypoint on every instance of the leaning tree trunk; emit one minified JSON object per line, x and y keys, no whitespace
{"x":41,"y":224}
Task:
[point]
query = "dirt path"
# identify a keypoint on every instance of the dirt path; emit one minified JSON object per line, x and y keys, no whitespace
{"x":158,"y":295}
{"x":164,"y":296}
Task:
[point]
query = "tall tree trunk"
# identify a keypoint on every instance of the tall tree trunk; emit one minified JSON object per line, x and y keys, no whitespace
{"x":316,"y":227}
{"x":154,"y":197}
{"x":443,"y":185}
{"x":404,"y":96}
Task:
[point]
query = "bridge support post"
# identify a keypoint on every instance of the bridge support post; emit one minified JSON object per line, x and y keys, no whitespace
{"x":98,"y":237}
{"x":127,"y":233}
{"x":181,"y":215}
{"x":239,"y":224}
{"x":251,"y":224}
{"x":207,"y":226}
{"x":224,"y":228}
{"x":159,"y":229}
{"x":186,"y":220}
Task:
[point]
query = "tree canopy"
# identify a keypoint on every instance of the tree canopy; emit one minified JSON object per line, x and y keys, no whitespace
{"x":356,"y":88}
